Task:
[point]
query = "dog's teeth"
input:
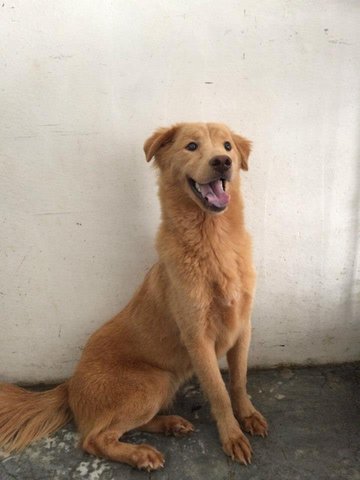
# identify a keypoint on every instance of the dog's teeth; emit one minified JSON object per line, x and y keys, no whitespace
{"x":197,"y":187}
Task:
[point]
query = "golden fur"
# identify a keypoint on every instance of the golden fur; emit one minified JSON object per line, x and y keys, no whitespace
{"x":193,"y":307}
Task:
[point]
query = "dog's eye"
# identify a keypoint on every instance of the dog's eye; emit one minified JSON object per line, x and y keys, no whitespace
{"x":227,"y":146}
{"x":191,"y":146}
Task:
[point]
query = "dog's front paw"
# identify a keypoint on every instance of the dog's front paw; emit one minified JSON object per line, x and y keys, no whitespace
{"x":255,"y":424}
{"x":238,"y":447}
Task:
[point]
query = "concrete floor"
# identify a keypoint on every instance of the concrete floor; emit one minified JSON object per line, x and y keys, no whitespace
{"x":314,"y":417}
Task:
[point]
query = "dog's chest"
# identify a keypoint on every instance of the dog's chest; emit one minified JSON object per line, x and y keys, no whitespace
{"x":227,"y":298}
{"x":224,"y":279}
{"x":224,"y":326}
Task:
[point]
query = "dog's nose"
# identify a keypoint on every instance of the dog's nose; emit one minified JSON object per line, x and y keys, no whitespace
{"x":221,"y":164}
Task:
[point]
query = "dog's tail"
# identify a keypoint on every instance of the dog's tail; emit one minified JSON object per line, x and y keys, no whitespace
{"x":27,"y":416}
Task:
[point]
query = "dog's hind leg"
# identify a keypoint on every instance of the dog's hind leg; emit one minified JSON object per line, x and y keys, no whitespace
{"x":106,"y":444}
{"x":118,"y":405}
{"x":103,"y":437}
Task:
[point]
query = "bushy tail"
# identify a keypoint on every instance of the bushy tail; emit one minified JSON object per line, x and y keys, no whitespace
{"x":27,"y":416}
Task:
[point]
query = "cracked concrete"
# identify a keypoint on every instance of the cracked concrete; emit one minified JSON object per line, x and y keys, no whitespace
{"x":314,"y":434}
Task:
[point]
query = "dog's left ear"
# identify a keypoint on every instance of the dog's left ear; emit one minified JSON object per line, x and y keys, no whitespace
{"x":158,"y":139}
{"x":244,"y":147}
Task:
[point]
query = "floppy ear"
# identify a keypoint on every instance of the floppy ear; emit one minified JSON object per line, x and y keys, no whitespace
{"x":158,"y":139}
{"x":244,"y":147}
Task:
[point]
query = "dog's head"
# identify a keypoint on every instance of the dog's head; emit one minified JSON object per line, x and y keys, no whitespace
{"x":203,"y":159}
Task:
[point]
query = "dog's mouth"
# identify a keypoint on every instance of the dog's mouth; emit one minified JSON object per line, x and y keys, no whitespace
{"x":213,"y":194}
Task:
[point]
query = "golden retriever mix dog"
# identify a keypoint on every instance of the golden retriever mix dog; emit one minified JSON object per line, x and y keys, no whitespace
{"x":193,"y":307}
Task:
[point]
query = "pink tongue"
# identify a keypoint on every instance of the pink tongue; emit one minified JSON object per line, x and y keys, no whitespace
{"x":214,"y":193}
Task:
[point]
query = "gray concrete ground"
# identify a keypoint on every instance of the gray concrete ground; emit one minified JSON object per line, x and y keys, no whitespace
{"x":314,"y":417}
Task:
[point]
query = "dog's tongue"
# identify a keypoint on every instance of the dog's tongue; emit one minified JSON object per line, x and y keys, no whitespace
{"x":214,"y":193}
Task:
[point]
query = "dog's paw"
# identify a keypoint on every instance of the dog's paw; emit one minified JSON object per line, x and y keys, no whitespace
{"x":255,"y":424}
{"x":238,"y":447}
{"x":147,"y":458}
{"x":177,"y":426}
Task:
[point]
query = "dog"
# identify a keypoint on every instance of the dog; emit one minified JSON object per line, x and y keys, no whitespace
{"x":193,"y":307}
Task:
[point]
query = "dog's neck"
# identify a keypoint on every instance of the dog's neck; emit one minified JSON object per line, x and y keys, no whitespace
{"x":184,"y":219}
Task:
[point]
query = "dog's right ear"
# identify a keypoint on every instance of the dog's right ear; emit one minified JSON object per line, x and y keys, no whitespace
{"x":158,"y":139}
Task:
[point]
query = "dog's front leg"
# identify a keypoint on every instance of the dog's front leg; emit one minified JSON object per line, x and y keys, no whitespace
{"x":251,"y":420}
{"x":204,"y":360}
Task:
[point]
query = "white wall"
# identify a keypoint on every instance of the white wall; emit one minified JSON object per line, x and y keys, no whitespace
{"x":83,"y":83}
